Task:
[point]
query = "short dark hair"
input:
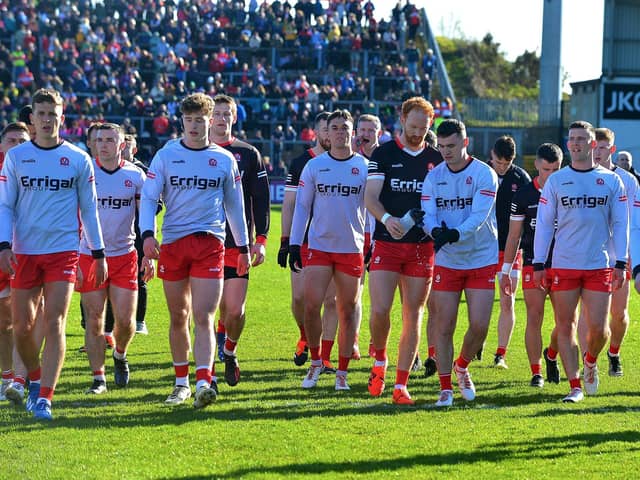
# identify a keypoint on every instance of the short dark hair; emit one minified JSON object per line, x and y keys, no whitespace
{"x":24,"y":115}
{"x":549,"y":152}
{"x":47,"y":95}
{"x":505,"y":147}
{"x":605,"y":134}
{"x":14,"y":127}
{"x":452,"y":126}
{"x":321,"y":117}
{"x":341,"y":113}
{"x":585,"y":126}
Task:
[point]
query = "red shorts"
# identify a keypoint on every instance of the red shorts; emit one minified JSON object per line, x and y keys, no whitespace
{"x":350,"y":263}
{"x":196,"y":255}
{"x":455,"y":280}
{"x":231,"y":263}
{"x":516,"y":265}
{"x":570,"y":279}
{"x":527,"y":277}
{"x":410,"y":259}
{"x":122,"y":272}
{"x":35,"y":270}
{"x":304,"y":253}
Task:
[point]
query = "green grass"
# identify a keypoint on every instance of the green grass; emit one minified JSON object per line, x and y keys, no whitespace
{"x":268,"y":427}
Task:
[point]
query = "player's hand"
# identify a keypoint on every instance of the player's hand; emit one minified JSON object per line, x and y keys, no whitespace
{"x":540,"y":279}
{"x":507,"y":284}
{"x":7,"y":261}
{"x":100,"y":266}
{"x":283,"y":252}
{"x":147,"y":268}
{"x":258,"y":253}
{"x":151,"y":248}
{"x":295,"y":258}
{"x":395,"y":228}
{"x":443,"y":235}
{"x":617,"y":279}
{"x":244,"y":262}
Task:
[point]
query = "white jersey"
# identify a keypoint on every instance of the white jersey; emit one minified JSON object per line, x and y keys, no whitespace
{"x":464,"y":200}
{"x":118,"y":192}
{"x":41,"y":192}
{"x":334,"y":190}
{"x":197,"y":187}
{"x":634,"y":235}
{"x":590,"y":207}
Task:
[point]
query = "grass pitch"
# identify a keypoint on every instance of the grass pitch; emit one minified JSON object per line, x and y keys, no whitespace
{"x":268,"y":427}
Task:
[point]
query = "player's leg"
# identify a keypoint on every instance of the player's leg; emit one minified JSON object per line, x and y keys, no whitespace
{"x":329,"y":327}
{"x":565,"y":304}
{"x":124,"y":304}
{"x":316,"y":283}
{"x":444,"y":316}
{"x":534,"y":300}
{"x":178,"y":296}
{"x":382,"y":290}
{"x":297,"y":308}
{"x":232,"y":313}
{"x":597,"y":305}
{"x":506,"y":322}
{"x":205,"y":299}
{"x":94,"y":305}
{"x":415,"y":291}
{"x":355,"y":355}
{"x":347,"y":290}
{"x":6,"y":340}
{"x":430,"y":367}
{"x":619,"y":325}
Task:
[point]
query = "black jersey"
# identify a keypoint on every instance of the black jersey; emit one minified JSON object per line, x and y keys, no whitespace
{"x":509,"y":183}
{"x":403,"y":174}
{"x":524,"y":208}
{"x":293,"y":178}
{"x":255,"y":188}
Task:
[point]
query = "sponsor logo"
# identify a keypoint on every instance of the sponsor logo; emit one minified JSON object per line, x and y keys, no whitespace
{"x":469,"y":181}
{"x":405,"y":186}
{"x":442,"y":183}
{"x":46,"y":183}
{"x":437,"y":278}
{"x":114,"y":203}
{"x":584,"y":201}
{"x":322,"y":170}
{"x":213,"y":162}
{"x":338,"y":189}
{"x":70,"y":272}
{"x":194,"y":183}
{"x":397,"y":165}
{"x":64,"y":161}
{"x":600,"y":181}
{"x":178,"y":161}
{"x":567,"y":183}
{"x":29,"y":160}
{"x":355,"y":171}
{"x":453,"y":203}
{"x":128,"y":183}
{"x":214,"y":269}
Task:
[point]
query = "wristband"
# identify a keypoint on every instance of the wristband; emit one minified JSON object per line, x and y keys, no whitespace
{"x":243,"y":249}
{"x":621,"y":265}
{"x":261,"y":240}
{"x":506,"y":268}
{"x":384,"y":218}
{"x":97,"y":254}
{"x":538,"y":267}
{"x":5,"y":246}
{"x":146,"y":234}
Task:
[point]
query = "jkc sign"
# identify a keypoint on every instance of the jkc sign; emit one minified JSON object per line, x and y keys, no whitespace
{"x":621,"y":101}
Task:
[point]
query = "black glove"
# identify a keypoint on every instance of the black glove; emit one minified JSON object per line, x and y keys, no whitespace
{"x":283,"y":252}
{"x":443,"y":236}
{"x":295,"y":258}
{"x":418,"y":216}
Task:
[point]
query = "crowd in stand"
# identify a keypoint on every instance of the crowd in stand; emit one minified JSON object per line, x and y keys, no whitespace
{"x":138,"y":58}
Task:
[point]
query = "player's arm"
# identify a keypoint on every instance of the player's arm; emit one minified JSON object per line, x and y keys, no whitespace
{"x":149,"y":198}
{"x":428,"y":204}
{"x":8,"y":198}
{"x":260,"y":209}
{"x":620,"y":231}
{"x":545,"y":229}
{"x":234,"y":207}
{"x":288,"y":204}
{"x":88,"y":205}
{"x":302,"y":212}
{"x":512,"y":244}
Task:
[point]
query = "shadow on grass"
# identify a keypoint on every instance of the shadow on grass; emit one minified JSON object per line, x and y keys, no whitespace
{"x":542,"y":449}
